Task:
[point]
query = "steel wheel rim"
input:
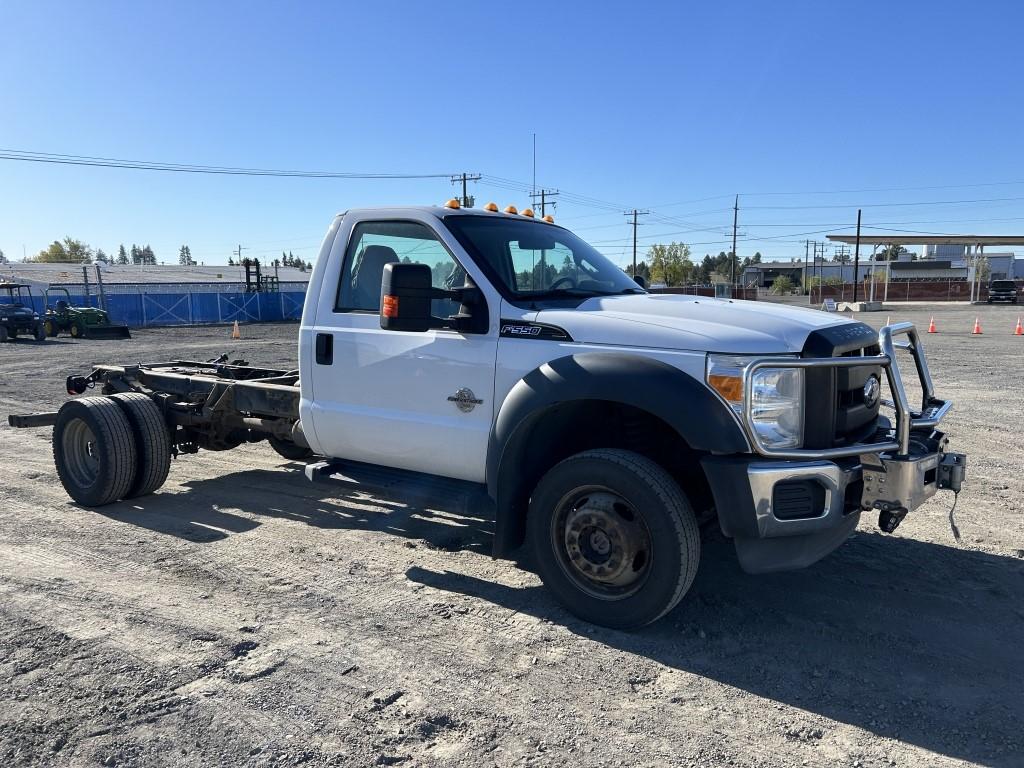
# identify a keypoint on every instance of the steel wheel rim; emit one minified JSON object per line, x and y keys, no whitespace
{"x":80,"y":453}
{"x":602,"y":542}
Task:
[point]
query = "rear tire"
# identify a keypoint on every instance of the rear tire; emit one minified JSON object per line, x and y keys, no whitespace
{"x":289,"y":450}
{"x":77,"y":330}
{"x":51,"y":328}
{"x":3,"y":334}
{"x":613,"y":538}
{"x":153,"y":440}
{"x":94,"y":450}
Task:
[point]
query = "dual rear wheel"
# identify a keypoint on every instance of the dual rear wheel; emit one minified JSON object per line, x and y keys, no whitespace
{"x":111,"y":448}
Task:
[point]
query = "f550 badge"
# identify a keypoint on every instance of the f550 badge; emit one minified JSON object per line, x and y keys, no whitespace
{"x":520,"y":330}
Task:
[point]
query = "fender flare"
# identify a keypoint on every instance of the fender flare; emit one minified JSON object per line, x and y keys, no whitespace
{"x":685,"y":403}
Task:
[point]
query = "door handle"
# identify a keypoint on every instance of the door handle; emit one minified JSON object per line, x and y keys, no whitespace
{"x":325,"y":348}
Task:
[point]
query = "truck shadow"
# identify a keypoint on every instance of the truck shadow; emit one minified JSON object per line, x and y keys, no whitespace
{"x":909,"y":640}
{"x":215,"y":508}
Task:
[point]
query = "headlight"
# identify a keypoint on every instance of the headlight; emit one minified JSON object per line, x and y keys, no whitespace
{"x":776,"y":398}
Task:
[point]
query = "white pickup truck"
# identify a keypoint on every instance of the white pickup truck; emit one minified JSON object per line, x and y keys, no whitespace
{"x":494,"y":353}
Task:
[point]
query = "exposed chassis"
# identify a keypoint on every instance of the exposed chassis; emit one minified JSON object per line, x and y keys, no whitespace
{"x":213,"y":405}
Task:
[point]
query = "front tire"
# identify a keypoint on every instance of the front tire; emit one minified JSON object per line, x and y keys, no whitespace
{"x":613,"y":537}
{"x":51,"y":328}
{"x":77,"y":330}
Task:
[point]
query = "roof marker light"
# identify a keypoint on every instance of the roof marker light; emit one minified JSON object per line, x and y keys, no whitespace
{"x":511,"y":209}
{"x":549,"y":219}
{"x":492,"y":207}
{"x":528,"y":212}
{"x":453,"y":203}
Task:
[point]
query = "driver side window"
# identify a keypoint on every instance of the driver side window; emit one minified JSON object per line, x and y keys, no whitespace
{"x":374,"y":244}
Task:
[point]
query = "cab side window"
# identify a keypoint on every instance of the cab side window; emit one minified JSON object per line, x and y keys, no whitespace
{"x":376,"y":243}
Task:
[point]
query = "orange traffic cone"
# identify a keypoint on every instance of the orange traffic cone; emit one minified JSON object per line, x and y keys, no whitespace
{"x":1019,"y":330}
{"x":977,"y":327}
{"x":931,"y":326}
{"x":237,"y":334}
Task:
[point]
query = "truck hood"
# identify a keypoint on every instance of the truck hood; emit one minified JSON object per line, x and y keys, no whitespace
{"x":669,"y":321}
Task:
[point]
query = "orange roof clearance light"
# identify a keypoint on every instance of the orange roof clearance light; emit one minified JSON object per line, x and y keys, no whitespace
{"x":549,"y":219}
{"x":528,"y":212}
{"x":453,"y":203}
{"x":511,"y":209}
{"x":492,"y":207}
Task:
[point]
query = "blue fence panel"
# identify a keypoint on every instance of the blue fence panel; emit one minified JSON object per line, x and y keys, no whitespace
{"x":185,"y":307}
{"x":270,"y":307}
{"x":125,"y":308}
{"x":291,"y":304}
{"x":166,"y":309}
{"x":243,"y":307}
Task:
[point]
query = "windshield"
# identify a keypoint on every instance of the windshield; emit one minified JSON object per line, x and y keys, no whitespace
{"x":1003,"y":285}
{"x":534,"y":260}
{"x":11,"y":297}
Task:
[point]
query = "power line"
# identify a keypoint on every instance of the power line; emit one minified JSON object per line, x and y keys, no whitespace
{"x":147,"y":165}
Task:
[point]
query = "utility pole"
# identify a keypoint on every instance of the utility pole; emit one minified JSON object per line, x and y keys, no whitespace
{"x":735,"y":219}
{"x":544,"y":195}
{"x":466,"y":201}
{"x":807,"y":246}
{"x":634,"y":213}
{"x":238,"y":253}
{"x":856,"y":258}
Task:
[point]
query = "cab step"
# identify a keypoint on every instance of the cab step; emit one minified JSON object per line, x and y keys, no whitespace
{"x":413,"y":488}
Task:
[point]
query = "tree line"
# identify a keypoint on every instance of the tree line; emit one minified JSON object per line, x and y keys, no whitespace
{"x":72,"y":251}
{"x":672,"y":265}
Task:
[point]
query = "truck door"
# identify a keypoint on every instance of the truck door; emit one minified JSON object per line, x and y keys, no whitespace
{"x":418,"y":401}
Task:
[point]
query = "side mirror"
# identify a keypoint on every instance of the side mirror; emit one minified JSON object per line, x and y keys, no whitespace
{"x":639,"y":280}
{"x":406,"y":292}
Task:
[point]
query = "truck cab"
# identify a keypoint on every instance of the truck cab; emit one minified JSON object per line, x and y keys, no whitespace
{"x":607,"y":423}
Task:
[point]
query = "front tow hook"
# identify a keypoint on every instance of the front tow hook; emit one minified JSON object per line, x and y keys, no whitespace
{"x":889,"y":519}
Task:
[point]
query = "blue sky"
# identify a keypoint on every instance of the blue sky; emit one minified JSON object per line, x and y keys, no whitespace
{"x":672,"y":106}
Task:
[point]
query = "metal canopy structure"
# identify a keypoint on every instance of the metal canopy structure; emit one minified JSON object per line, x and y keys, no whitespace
{"x":977,"y":242}
{"x":896,"y":238}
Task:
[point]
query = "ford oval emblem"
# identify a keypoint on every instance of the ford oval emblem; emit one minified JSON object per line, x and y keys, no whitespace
{"x":872,"y":389}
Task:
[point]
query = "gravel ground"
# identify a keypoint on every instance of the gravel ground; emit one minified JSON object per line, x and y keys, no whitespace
{"x":242,"y":616}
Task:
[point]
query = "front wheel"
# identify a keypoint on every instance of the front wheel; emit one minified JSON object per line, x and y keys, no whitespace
{"x":51,"y":328}
{"x":613,"y":537}
{"x":77,"y":330}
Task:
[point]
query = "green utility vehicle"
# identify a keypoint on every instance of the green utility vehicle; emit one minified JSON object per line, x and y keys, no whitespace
{"x":79,"y":322}
{"x":17,"y":314}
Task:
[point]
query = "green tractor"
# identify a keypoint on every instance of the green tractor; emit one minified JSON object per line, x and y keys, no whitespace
{"x":79,"y":322}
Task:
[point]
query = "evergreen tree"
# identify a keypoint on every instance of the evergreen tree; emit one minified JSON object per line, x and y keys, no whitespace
{"x":101,"y":257}
{"x":185,"y":257}
{"x":148,"y":257}
{"x":122,"y":255}
{"x":136,"y":254}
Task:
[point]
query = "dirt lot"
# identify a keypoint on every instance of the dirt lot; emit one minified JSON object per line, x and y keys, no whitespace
{"x":243,"y":616}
